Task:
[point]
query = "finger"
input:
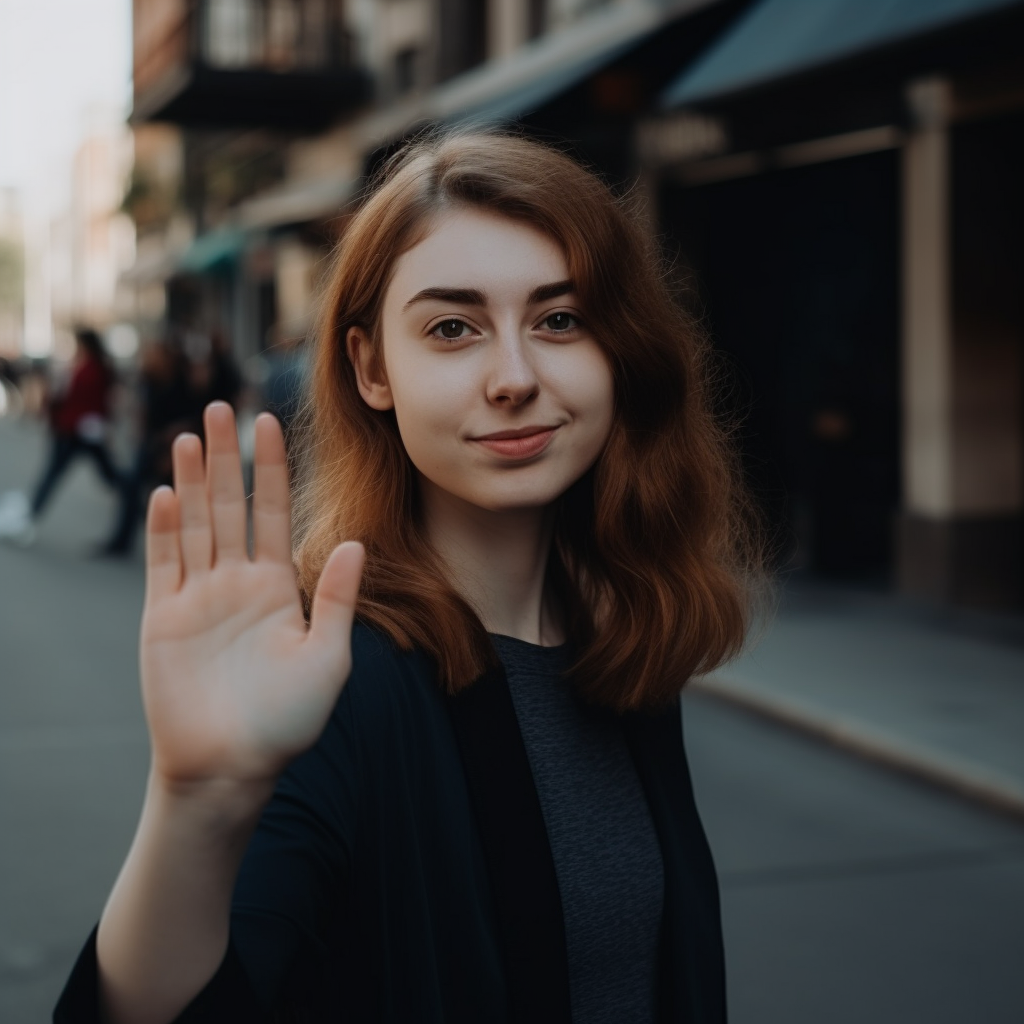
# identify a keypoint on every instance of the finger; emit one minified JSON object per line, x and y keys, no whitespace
{"x":194,"y":505}
{"x":271,"y":505}
{"x":163,"y":550}
{"x":224,"y":483}
{"x":334,"y":603}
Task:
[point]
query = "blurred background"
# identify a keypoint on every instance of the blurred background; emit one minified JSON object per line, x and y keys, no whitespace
{"x":838,"y":184}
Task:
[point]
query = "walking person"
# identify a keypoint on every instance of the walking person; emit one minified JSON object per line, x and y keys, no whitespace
{"x":429,"y":767}
{"x":79,"y":418}
{"x":215,"y":377}
{"x":173,"y":390}
{"x":167,"y":407}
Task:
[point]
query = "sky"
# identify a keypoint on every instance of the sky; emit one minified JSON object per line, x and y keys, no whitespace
{"x":60,"y":62}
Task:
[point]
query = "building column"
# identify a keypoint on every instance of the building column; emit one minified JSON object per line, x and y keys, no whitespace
{"x":506,"y":22}
{"x":959,"y":534}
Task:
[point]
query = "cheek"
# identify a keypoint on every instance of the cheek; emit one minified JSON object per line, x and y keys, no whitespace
{"x":429,"y":410}
{"x":429,"y":398}
{"x":414,"y":387}
{"x":418,"y":421}
{"x":590,"y":387}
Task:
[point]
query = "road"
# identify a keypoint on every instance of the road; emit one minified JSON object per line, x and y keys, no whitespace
{"x":72,"y":741}
{"x":850,"y":894}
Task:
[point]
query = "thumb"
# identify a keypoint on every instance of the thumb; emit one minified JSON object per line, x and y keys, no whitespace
{"x":334,"y":603}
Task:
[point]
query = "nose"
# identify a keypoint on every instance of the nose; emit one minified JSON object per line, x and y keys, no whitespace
{"x":512,"y":377}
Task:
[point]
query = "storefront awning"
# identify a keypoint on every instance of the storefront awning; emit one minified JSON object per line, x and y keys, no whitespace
{"x":540,"y":72}
{"x":780,"y":38}
{"x":216,"y":250}
{"x":536,"y":92}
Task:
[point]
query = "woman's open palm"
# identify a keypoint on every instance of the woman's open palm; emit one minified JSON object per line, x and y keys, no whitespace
{"x":234,"y":683}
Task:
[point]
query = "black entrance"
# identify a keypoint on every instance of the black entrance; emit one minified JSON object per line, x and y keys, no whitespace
{"x":797,"y":273}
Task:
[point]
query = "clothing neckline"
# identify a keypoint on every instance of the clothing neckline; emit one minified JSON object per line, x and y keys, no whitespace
{"x":503,"y":638}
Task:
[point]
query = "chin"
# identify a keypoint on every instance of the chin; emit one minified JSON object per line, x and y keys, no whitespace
{"x":517,"y":499}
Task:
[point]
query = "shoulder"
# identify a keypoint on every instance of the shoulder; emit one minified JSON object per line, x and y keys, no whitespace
{"x":379,"y":663}
{"x":388,"y":685}
{"x":389,"y":713}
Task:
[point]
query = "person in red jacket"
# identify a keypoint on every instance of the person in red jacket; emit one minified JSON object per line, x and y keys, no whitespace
{"x":79,"y":419}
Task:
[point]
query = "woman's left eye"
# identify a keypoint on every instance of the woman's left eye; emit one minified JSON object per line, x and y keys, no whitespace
{"x":560,"y":322}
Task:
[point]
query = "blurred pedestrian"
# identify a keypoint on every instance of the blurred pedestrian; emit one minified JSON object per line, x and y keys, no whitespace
{"x":177,"y":381}
{"x":11,"y":403}
{"x":284,"y":381}
{"x":214,"y":376}
{"x":79,"y":417}
{"x":168,"y":407}
{"x":8,"y":372}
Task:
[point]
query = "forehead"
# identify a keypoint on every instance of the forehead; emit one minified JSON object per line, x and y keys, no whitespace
{"x":470,"y":248}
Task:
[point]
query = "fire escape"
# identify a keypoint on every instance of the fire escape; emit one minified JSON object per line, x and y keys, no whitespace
{"x":245,"y":63}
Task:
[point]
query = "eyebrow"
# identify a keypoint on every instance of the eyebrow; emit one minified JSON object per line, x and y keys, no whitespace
{"x":473,"y":297}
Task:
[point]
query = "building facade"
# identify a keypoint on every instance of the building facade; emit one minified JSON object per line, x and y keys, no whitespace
{"x":838,"y":180}
{"x":12,"y":275}
{"x":849,"y":198}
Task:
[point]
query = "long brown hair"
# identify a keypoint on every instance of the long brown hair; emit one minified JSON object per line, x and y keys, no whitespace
{"x":652,"y":555}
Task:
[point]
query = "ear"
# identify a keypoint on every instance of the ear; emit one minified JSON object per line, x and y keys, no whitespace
{"x":376,"y":392}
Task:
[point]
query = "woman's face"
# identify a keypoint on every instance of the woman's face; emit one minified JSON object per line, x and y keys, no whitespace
{"x":502,"y":397}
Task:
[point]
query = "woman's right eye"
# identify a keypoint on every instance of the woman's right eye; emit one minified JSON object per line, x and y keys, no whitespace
{"x":450,"y":330}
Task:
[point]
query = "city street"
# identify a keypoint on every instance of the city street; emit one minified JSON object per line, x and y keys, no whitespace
{"x":72,"y":739}
{"x":850,"y":893}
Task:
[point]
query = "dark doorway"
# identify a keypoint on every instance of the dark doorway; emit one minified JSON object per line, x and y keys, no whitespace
{"x":987,"y":169}
{"x":461,"y":35}
{"x":797,"y":273}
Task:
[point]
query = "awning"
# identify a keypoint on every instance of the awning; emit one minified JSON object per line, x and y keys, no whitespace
{"x":540,"y":72}
{"x":546,"y":68}
{"x":216,"y":250}
{"x":545,"y":87}
{"x":780,"y":38}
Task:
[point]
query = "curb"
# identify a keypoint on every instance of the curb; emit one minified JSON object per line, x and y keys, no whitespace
{"x":967,"y":779}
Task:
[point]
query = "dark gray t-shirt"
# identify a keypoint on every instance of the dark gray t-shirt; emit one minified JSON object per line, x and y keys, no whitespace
{"x":606,"y":854}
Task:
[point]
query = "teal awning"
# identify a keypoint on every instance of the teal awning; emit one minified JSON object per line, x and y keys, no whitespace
{"x":216,"y":250}
{"x":779,"y":38}
{"x":534,"y":94}
{"x":547,"y":68}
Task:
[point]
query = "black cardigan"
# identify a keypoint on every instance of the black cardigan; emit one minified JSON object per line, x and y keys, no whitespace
{"x":401,"y":872}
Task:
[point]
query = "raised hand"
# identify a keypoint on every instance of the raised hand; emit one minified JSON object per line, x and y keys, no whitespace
{"x":233,"y":681}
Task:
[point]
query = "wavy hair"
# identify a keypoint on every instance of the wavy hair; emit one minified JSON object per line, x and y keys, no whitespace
{"x":654,"y":555}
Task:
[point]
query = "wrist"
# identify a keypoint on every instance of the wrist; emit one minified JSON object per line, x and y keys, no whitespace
{"x":216,"y":805}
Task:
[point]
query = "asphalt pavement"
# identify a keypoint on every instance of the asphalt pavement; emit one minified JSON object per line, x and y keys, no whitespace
{"x":850,"y":892}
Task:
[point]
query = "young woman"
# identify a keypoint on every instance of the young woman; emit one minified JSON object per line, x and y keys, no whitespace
{"x":472,"y":805}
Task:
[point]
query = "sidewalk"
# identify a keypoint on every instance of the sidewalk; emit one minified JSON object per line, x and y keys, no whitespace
{"x":938,"y":693}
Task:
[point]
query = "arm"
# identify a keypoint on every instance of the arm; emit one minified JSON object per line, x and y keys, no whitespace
{"x":164,"y":930}
{"x":220,"y":632}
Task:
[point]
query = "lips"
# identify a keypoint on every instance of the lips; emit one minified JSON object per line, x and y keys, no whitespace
{"x":523,"y":443}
